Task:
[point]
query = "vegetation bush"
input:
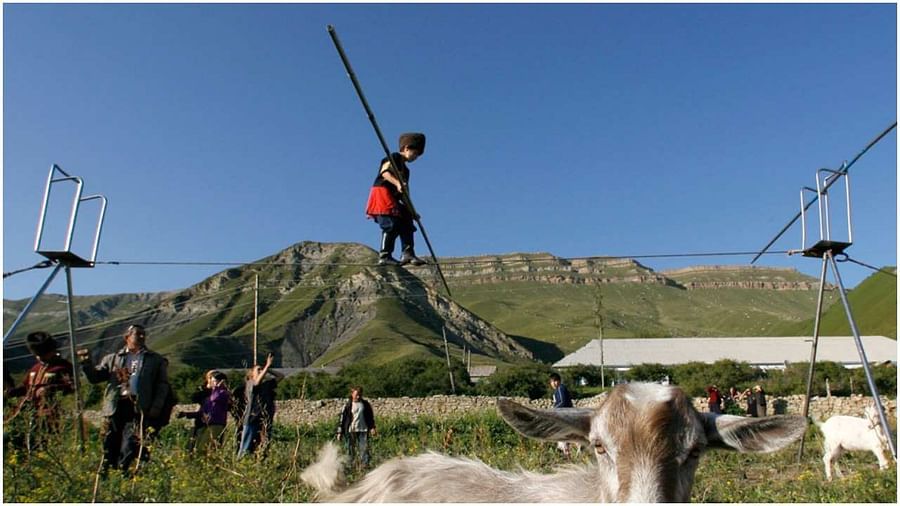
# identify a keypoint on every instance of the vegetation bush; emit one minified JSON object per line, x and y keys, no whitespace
{"x":694,"y":377}
{"x":413,"y":377}
{"x":590,"y":374}
{"x":529,"y":380}
{"x":649,"y":372}
{"x":422,"y":377}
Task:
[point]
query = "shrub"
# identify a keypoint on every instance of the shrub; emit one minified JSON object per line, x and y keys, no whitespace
{"x":590,"y":373}
{"x":414,"y":377}
{"x":884,"y":375}
{"x":694,"y":377}
{"x":525,"y":380}
{"x":649,"y":372}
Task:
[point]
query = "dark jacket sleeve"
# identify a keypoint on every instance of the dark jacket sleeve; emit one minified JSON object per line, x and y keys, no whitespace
{"x":100,"y":372}
{"x":162,"y":387}
{"x":344,"y":422}
{"x":370,"y":415}
{"x":18,"y":391}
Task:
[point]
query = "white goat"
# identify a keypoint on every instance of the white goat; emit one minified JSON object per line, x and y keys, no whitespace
{"x":850,"y":433}
{"x":647,"y":438}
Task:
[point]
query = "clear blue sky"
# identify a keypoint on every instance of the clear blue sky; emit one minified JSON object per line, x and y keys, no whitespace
{"x":228,"y":132}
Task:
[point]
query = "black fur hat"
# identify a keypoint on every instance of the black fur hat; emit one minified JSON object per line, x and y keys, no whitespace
{"x":39,"y":343}
{"x":414,"y":140}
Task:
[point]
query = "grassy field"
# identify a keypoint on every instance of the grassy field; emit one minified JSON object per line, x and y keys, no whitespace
{"x":64,"y":473}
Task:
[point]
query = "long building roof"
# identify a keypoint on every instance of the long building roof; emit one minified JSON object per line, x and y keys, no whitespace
{"x":759,"y":351}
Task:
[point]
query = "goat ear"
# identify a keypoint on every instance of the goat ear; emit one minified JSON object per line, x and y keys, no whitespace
{"x":568,"y":424}
{"x":761,"y":435}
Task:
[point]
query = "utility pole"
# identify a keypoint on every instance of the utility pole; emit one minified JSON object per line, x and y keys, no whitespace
{"x":447,"y":353}
{"x":598,"y":321}
{"x":255,"y":319}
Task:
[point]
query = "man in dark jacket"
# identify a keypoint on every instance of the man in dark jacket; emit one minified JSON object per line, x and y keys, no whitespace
{"x":561,"y":399}
{"x":357,"y":424}
{"x":48,"y":379}
{"x":137,"y":397}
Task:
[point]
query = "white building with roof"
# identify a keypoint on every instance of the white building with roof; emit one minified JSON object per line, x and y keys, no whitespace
{"x":763,"y":352}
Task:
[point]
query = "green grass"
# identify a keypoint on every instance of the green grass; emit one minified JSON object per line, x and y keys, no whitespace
{"x":874,"y":306}
{"x":67,"y":474}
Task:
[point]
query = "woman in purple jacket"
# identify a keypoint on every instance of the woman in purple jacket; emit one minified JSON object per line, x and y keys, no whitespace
{"x":212,"y":416}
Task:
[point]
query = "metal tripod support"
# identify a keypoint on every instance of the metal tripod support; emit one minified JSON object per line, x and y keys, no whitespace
{"x":65,"y":259}
{"x":827,"y":249}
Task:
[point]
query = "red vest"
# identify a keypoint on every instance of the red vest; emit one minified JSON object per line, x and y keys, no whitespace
{"x":384,"y":199}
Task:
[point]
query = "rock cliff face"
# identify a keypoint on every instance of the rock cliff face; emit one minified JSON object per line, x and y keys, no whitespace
{"x":546,"y":268}
{"x":313,"y":298}
{"x":747,"y":277}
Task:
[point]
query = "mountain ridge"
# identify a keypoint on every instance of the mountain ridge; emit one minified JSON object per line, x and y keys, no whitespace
{"x":329,"y":304}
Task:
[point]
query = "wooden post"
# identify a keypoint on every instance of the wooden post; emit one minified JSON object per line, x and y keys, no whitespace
{"x":598,"y":319}
{"x":447,"y":353}
{"x":255,"y":319}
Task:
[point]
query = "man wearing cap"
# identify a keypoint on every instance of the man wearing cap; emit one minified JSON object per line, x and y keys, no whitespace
{"x":137,"y":395}
{"x":386,"y":204}
{"x":49,"y":377}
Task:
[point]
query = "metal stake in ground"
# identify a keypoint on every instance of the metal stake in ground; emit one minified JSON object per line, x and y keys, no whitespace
{"x":394,"y":170}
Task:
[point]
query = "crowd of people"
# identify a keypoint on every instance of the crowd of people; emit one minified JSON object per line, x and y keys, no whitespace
{"x":138,"y":401}
{"x":754,"y":399}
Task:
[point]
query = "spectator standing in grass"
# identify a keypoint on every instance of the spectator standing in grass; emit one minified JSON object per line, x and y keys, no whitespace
{"x":714,"y":401}
{"x":561,"y":399}
{"x":211,"y":418}
{"x":259,"y":407}
{"x":138,"y":399}
{"x":759,"y":398}
{"x":356,"y":425}
{"x":48,"y":379}
{"x":750,"y":399}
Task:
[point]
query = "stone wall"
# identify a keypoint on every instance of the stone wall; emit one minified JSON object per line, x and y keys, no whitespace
{"x":290,"y":412}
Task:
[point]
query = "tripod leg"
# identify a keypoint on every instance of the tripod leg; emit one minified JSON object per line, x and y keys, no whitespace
{"x":815,"y":345}
{"x":78,"y":420}
{"x":862,"y":357}
{"x":34,"y":299}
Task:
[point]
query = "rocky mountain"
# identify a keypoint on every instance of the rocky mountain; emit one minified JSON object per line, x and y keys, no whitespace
{"x":329,"y":305}
{"x":318,"y":304}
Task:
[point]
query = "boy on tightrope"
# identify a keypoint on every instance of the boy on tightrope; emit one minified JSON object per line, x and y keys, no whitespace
{"x":387,"y":205}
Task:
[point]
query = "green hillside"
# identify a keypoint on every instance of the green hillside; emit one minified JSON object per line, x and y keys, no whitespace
{"x":564,"y":316}
{"x":873,"y":304}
